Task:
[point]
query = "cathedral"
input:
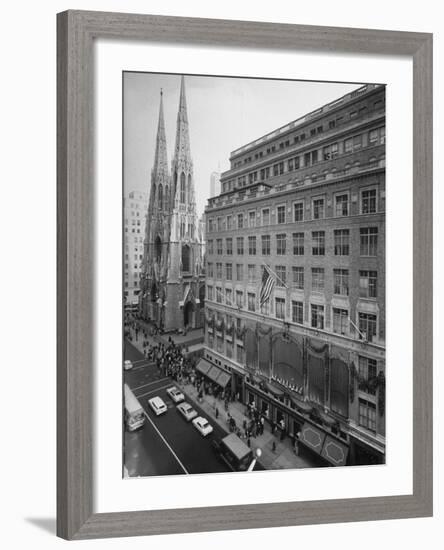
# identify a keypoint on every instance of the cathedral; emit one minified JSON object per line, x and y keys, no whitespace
{"x":173,"y":280}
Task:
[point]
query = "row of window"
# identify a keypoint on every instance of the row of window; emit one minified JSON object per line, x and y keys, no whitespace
{"x":368,"y":280}
{"x":332,"y":151}
{"x":341,"y":322}
{"x":368,"y":244}
{"x":315,"y":130}
{"x":341,"y":208}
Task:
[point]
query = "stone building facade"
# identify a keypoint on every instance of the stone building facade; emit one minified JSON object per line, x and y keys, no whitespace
{"x":307,"y":201}
{"x":173,"y":291}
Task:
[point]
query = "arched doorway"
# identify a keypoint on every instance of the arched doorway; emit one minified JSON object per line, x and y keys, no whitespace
{"x":188,"y":312}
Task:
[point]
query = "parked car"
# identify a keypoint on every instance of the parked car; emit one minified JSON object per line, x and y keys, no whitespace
{"x":158,"y":405}
{"x":187,"y":411}
{"x":127,"y":365}
{"x":176,"y":395}
{"x":202,"y":425}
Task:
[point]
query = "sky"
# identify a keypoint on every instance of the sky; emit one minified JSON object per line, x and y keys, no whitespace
{"x":223,"y":114}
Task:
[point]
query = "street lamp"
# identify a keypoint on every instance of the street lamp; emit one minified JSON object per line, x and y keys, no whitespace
{"x":257,"y":453}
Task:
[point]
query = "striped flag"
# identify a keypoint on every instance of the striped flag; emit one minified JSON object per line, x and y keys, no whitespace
{"x":268,"y":282}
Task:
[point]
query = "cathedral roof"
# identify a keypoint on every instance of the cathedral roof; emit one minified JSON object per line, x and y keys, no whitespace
{"x":182,"y":148}
{"x":160,"y":167}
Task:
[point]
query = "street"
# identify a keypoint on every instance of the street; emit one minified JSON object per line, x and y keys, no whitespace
{"x":167,"y":444}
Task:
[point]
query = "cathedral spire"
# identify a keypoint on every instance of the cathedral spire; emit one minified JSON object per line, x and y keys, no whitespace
{"x":182,"y":148}
{"x":160,"y":167}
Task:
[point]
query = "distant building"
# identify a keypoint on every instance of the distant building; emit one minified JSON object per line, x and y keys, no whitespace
{"x":306,"y":202}
{"x":135,"y":206}
{"x":173,"y":290}
{"x":214,"y":184}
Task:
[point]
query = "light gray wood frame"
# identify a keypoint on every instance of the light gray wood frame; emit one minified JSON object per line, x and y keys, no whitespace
{"x":76,"y":32}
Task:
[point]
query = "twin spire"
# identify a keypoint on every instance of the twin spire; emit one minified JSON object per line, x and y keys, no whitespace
{"x":182,"y":146}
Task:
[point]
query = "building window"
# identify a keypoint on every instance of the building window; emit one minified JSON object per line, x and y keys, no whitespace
{"x":341,"y":205}
{"x":297,"y":312}
{"x":368,"y":284}
{"x":252,"y":246}
{"x":229,"y":223}
{"x":239,"y":298}
{"x":210,"y":269}
{"x":298,"y":211}
{"x":368,"y":201}
{"x":182,"y":188}
{"x":298,"y":277}
{"x":228,"y":296}
{"x":281,"y":214}
{"x":367,"y":415}
{"x":318,"y":209}
{"x":218,"y":270}
{"x":240,"y":245}
{"x":251,"y":301}
{"x":317,"y":316}
{"x":281,"y":244}
{"x":342,"y":242}
{"x":219,"y":246}
{"x":281,"y":272}
{"x":210,"y":293}
{"x":340,"y":321}
{"x":318,"y":239}
{"x":239,"y":272}
{"x":280,"y":308}
{"x":240,"y":221}
{"x":229,"y":271}
{"x":266,"y":216}
{"x":229,"y":244}
{"x":340,"y":281}
{"x":219,"y":224}
{"x":317,"y":279}
{"x":367,"y":326}
{"x":265,"y":245}
{"x":367,"y":374}
{"x":298,"y":244}
{"x":375,"y":137}
{"x":330,"y":152}
{"x":219,"y":294}
{"x":251,"y":273}
{"x":210,"y":247}
{"x":251,"y":219}
{"x":369,"y":241}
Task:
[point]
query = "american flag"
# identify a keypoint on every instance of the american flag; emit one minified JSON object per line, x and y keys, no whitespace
{"x":268,"y":282}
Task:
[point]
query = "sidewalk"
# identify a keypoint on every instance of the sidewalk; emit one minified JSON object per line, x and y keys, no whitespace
{"x":282,"y":458}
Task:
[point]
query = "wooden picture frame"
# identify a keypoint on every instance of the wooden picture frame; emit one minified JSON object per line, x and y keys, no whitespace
{"x":76,"y":32}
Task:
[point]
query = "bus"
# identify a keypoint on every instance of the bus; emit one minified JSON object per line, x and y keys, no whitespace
{"x":134,"y":413}
{"x":234,"y":452}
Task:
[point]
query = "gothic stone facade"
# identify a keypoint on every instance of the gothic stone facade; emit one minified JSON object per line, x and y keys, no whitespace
{"x":173,"y":290}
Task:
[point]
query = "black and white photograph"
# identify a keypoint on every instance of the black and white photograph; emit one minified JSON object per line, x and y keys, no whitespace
{"x":253,"y":269}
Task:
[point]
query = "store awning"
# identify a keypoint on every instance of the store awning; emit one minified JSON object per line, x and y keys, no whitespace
{"x":312,"y":437}
{"x":223,"y":379}
{"x":335,"y":451}
{"x":213,"y":373}
{"x":301,"y":405}
{"x":277,"y":392}
{"x":203,"y":366}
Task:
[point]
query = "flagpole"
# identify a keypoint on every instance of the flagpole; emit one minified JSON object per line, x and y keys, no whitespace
{"x":356,"y":328}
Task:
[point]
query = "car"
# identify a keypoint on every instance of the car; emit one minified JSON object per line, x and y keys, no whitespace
{"x":158,"y":405}
{"x":187,"y":411}
{"x":202,"y":424}
{"x":176,"y":395}
{"x":127,"y":365}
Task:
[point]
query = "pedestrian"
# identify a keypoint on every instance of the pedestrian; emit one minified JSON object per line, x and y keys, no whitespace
{"x":249,"y":442}
{"x":274,"y":447}
{"x":217,"y":413}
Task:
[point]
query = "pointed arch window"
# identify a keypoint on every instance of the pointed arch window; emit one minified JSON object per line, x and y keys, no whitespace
{"x":189,"y":187}
{"x":160,"y":191}
{"x":158,"y":248}
{"x":166,"y":198}
{"x":182,"y":188}
{"x":186,"y":254}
